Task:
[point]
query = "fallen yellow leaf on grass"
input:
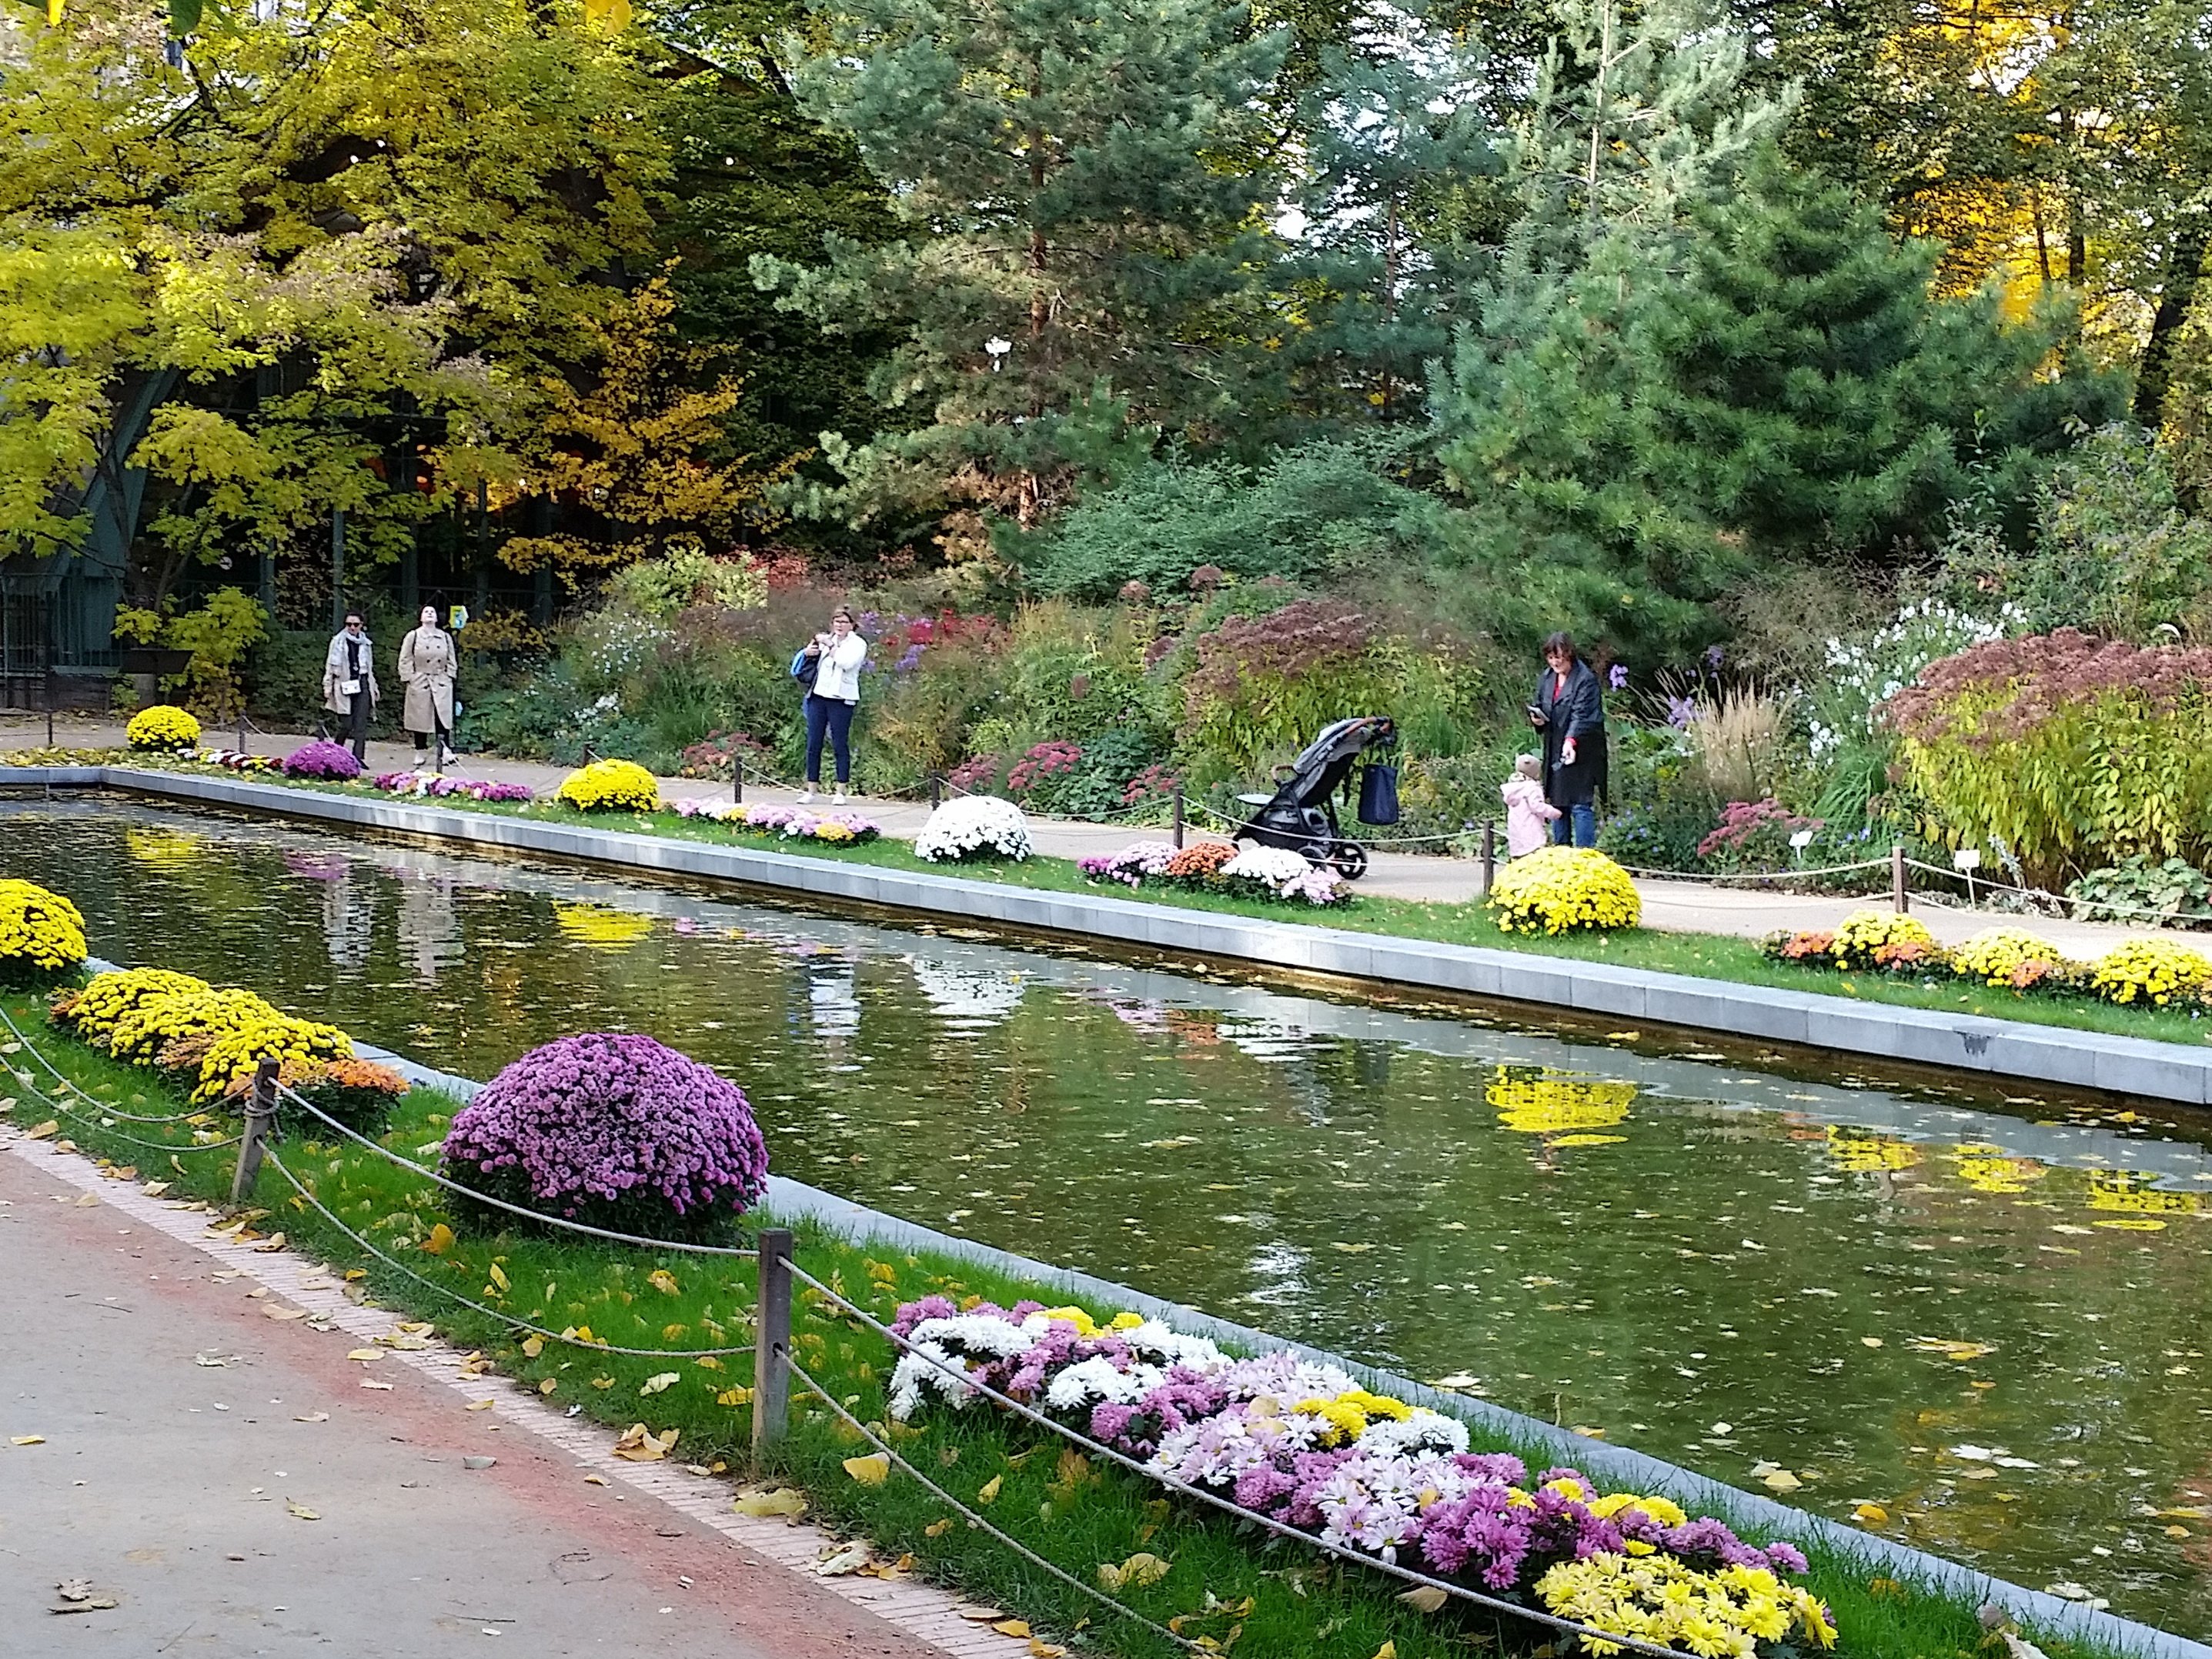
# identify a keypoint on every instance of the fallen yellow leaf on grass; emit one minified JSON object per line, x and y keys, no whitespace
{"x":1012,"y":1627}
{"x":549,"y":1385}
{"x":660,"y":1382}
{"x":781,"y":1501}
{"x":1426,"y":1597}
{"x":937,"y":1528}
{"x":50,"y":1126}
{"x":990,"y":1491}
{"x":662,"y":1280}
{"x":1043,"y":1649}
{"x":499,"y":1277}
{"x":734,"y":1397}
{"x":533,"y":1345}
{"x":1387,"y":1651}
{"x":1138,"y":1572}
{"x":440,"y":1241}
{"x":869,"y":1471}
{"x":639,"y":1444}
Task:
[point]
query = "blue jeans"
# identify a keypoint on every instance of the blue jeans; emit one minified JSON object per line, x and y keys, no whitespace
{"x":1579,"y":822}
{"x":833,"y":717}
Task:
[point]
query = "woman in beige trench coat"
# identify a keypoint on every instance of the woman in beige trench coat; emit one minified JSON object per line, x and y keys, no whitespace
{"x":427,"y":663}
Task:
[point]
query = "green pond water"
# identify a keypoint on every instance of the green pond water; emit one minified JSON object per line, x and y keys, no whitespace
{"x":1985,"y":1314}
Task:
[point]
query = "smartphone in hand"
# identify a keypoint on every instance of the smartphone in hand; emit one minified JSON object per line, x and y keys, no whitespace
{"x":1536,"y":717}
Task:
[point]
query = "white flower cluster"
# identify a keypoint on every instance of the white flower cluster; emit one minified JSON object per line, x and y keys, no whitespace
{"x":954,"y":1342}
{"x":1283,"y":874}
{"x":1864,"y":673}
{"x":974,"y":827}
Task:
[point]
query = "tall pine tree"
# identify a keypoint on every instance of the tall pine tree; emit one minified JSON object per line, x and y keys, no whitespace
{"x":1076,"y":265}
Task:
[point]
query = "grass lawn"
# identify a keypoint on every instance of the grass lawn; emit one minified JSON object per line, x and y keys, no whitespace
{"x":1708,"y":956}
{"x":1287,"y":1600}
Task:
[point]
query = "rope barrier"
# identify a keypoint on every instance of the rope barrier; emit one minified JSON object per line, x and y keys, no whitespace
{"x":69,"y":1111}
{"x":21,"y":1036}
{"x":1282,"y":1529}
{"x":562,"y":1222}
{"x":500,"y":1314}
{"x":980,"y":1524}
{"x":2097,"y":907}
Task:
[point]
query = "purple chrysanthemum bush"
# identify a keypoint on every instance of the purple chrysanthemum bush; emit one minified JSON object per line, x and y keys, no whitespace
{"x":1303,"y":1444}
{"x":322,"y":759}
{"x":614,"y":1130}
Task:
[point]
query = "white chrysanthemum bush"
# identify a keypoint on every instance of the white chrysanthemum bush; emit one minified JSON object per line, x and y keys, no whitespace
{"x":974,"y":827}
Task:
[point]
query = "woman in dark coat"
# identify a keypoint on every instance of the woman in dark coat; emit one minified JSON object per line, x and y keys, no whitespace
{"x":1569,"y":711}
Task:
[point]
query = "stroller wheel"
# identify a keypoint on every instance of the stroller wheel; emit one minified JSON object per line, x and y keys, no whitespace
{"x":1350,"y":859}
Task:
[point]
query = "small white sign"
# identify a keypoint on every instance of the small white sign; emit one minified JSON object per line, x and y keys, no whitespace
{"x":1802,"y":839}
{"x":1967,"y":857}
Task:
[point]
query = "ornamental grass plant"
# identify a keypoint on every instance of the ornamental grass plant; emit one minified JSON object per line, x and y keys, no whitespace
{"x":1078,"y":1512}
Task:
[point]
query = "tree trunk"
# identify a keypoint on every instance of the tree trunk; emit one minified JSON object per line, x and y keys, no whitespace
{"x":2184,"y":264}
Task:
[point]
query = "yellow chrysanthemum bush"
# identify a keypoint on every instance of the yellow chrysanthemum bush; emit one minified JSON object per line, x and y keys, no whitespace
{"x":2152,"y":971}
{"x":609,"y":786}
{"x":93,"y":1011}
{"x":1560,"y":889}
{"x":42,"y":934}
{"x":1864,"y":936}
{"x":163,"y":729}
{"x":232,"y":1057}
{"x":1661,"y":1599}
{"x":145,"y":1034}
{"x":2009,"y":957}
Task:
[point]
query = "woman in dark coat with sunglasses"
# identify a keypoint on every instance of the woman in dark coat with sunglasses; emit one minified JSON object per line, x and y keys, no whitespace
{"x":1569,"y":712}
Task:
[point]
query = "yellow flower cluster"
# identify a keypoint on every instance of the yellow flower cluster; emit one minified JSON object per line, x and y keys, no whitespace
{"x":2151,"y":970}
{"x":41,"y":933}
{"x":234,"y":1055}
{"x":1547,"y":1105}
{"x":1086,"y":1326}
{"x":1995,"y":954}
{"x":1559,"y":889}
{"x":163,"y":727}
{"x":140,"y":1035}
{"x":831,"y":830}
{"x":609,"y":786}
{"x":93,"y":1011}
{"x":1349,"y":1413}
{"x":1862,"y":933}
{"x":1722,"y":1615}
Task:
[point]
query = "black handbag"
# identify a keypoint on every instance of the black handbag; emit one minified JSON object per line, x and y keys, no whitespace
{"x":1378,"y":794}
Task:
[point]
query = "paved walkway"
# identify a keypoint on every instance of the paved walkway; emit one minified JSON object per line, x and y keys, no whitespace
{"x":224,"y":1480}
{"x":1670,"y":906}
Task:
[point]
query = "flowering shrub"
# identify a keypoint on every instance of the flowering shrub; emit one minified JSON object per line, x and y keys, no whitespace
{"x":1750,"y":827}
{"x":322,"y":760}
{"x":1132,"y":866}
{"x":1864,"y":673}
{"x":1198,"y":864}
{"x":359,"y":1093}
{"x":1556,"y":889}
{"x":976,"y":772}
{"x":2150,"y":970}
{"x":142,"y":1035}
{"x":1863,"y":932}
{"x":720,"y":754}
{"x":93,"y":1011}
{"x":1808,"y":948}
{"x":231,"y":1055}
{"x":792,"y":823}
{"x":163,"y":729}
{"x":1996,"y":956}
{"x":41,"y":933}
{"x":974,"y":827}
{"x":1996,"y":738}
{"x":614,"y":1131}
{"x":1277,"y":872}
{"x":609,"y":786}
{"x":1155,"y":782}
{"x":1043,"y":764}
{"x":1303,"y":1444}
{"x":430,"y":785}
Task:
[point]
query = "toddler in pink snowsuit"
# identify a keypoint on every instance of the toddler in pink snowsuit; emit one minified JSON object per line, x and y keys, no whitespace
{"x":1527,"y":814}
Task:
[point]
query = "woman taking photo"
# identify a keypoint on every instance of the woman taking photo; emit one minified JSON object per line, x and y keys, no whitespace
{"x":428,"y":664}
{"x":1569,"y":711}
{"x":834,"y":659}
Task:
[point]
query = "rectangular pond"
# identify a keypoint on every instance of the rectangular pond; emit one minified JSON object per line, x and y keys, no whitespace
{"x":1980,"y":1313}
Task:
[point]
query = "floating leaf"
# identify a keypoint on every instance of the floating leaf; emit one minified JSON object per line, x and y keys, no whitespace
{"x":870,"y":1471}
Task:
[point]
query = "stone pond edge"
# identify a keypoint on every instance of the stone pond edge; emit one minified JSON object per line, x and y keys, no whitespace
{"x":2010,"y":1049}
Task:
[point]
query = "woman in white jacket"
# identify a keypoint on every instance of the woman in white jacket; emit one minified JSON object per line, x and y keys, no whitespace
{"x":836,"y":693}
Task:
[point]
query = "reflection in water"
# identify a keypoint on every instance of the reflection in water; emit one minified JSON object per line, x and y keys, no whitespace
{"x":1980,"y":1313}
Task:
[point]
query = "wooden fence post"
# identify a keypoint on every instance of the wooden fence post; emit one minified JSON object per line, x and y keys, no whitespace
{"x":772,"y":1341}
{"x":1178,"y":818}
{"x":1489,"y":856}
{"x":1899,"y":899}
{"x":936,"y":791}
{"x":260,"y":1116}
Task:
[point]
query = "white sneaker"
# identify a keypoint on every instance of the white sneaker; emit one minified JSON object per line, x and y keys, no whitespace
{"x":837,"y":799}
{"x":804,"y":796}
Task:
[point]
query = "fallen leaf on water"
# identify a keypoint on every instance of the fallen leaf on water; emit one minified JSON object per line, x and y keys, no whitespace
{"x":1352,"y":1249}
{"x":1622,"y":1036}
{"x":869,"y":1471}
{"x":440,"y":1241}
{"x":1427,"y":1597}
{"x":300,"y":1511}
{"x":990,"y":1491}
{"x":1957,"y":1352}
{"x":1589,"y":1140}
{"x":660,"y":1381}
{"x":1872,"y":1514}
{"x":662,"y":1280}
{"x":1871,"y":1342}
{"x":1587,"y":1432}
{"x":780,"y":1500}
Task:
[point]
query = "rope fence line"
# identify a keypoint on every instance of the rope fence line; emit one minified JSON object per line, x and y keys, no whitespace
{"x":977,"y":1522}
{"x":733,"y":1252}
{"x":500,"y":1314}
{"x":1282,"y":1529}
{"x":71,"y":1086}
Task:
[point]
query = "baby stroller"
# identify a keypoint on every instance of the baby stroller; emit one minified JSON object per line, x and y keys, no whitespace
{"x":1301,"y":815}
